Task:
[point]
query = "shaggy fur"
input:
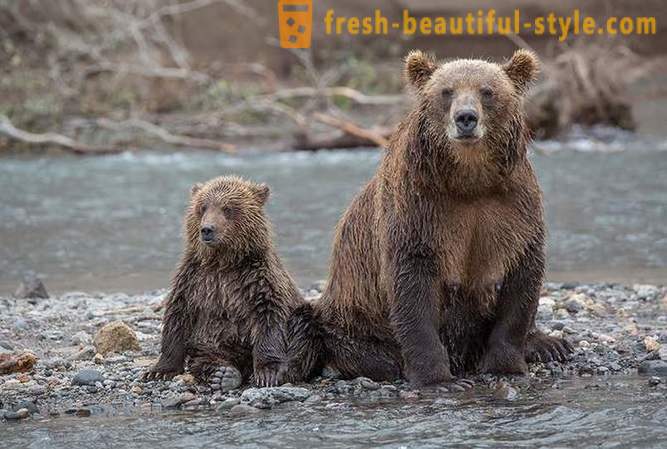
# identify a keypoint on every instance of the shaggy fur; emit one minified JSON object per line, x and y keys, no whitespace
{"x":437,"y":264}
{"x":232,"y":303}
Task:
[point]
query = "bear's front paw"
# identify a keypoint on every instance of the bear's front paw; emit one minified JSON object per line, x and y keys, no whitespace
{"x":270,"y":375}
{"x":504,"y":359}
{"x":543,"y":348}
{"x":425,"y":374}
{"x":162,"y":371}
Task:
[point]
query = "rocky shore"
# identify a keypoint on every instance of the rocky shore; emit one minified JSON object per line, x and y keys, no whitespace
{"x":81,"y":354}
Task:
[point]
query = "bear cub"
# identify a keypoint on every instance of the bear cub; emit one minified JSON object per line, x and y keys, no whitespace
{"x":232,"y":305}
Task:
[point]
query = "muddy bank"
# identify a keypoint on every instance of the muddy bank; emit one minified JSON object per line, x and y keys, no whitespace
{"x":618,"y":330}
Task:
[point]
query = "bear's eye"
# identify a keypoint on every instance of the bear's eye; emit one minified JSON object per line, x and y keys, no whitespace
{"x":486,"y":92}
{"x":203,"y":208}
{"x":447,"y":93}
{"x":227,"y":212}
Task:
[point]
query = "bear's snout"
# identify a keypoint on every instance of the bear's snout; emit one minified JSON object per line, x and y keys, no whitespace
{"x":207,"y":233}
{"x":466,"y":122}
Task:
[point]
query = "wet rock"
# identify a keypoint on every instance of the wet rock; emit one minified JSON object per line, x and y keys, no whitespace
{"x":28,"y":405}
{"x":651,"y":344}
{"x":80,"y":412}
{"x":654,"y":380}
{"x":545,"y":310}
{"x":269,"y":397}
{"x":228,"y":404}
{"x":653,"y":367}
{"x":31,"y":288}
{"x":177,"y":400}
{"x":21,"y":363}
{"x":82,"y":338}
{"x":505,"y":392}
{"x":87,"y":353}
{"x":116,"y":337}
{"x":187,"y":379}
{"x":575,"y":303}
{"x":17,"y":415}
{"x":243,"y":409}
{"x":646,"y":292}
{"x":87,"y":377}
{"x":367,"y":384}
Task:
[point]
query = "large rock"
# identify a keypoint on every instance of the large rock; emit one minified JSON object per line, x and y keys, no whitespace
{"x":31,"y":287}
{"x":269,"y":397}
{"x":116,"y":337}
{"x":653,"y":368}
{"x":21,"y":363}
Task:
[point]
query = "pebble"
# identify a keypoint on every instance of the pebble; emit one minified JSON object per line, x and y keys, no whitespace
{"x":18,"y":414}
{"x":505,"y":392}
{"x":177,"y":400}
{"x":575,"y":303}
{"x":87,"y":377}
{"x":227,"y":404}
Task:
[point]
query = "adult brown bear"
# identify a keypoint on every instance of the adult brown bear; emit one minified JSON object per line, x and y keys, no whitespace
{"x":437,"y":264}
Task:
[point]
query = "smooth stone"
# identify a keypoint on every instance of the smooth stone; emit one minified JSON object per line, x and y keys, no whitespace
{"x":228,"y":404}
{"x":653,"y":367}
{"x":177,"y":401}
{"x":31,"y":288}
{"x":87,"y":377}
{"x":506,"y":392}
{"x":28,"y":405}
{"x":19,"y":414}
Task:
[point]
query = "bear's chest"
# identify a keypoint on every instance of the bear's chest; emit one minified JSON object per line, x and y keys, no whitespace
{"x":480,"y":241}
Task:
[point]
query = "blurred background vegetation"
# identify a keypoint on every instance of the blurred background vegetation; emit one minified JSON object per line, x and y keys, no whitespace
{"x":111,"y":75}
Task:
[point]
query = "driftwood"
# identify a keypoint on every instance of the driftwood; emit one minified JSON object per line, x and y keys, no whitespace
{"x":68,"y":144}
{"x":166,"y":136}
{"x":52,"y":139}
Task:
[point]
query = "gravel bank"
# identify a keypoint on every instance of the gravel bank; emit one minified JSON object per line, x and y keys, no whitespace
{"x":617,"y":330}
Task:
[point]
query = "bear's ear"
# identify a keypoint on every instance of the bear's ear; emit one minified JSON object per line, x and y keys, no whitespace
{"x":196,"y":188}
{"x":262,"y":192}
{"x":522,"y":69}
{"x":419,"y":67}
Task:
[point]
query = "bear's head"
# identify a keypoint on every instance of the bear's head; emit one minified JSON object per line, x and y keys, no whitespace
{"x":472,"y":108}
{"x":226,"y":217}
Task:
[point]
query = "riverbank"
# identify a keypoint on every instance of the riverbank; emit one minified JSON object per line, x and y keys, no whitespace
{"x":617,"y":330}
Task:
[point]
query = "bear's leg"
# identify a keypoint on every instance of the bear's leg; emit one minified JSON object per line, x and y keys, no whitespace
{"x":362,"y":357}
{"x":415,"y":319}
{"x":305,"y":346}
{"x":515,"y":314}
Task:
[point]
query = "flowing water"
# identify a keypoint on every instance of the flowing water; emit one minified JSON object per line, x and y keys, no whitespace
{"x":113,"y":223}
{"x":621,"y":413}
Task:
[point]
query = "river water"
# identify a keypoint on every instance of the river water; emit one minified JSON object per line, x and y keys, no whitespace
{"x":113,"y":223}
{"x":581,"y":413}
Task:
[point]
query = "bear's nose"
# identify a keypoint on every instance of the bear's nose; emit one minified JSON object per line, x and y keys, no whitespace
{"x":466,"y":121}
{"x":207,"y":233}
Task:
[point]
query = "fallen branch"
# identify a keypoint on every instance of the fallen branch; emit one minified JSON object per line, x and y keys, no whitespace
{"x":166,"y":136}
{"x":338,"y":91}
{"x":9,"y":130}
{"x":353,"y":129}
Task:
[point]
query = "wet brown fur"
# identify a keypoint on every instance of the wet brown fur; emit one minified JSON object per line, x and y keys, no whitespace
{"x":437,"y":264}
{"x":232,"y":303}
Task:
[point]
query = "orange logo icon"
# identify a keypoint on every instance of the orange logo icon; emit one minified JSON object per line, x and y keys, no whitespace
{"x":295,"y":19}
